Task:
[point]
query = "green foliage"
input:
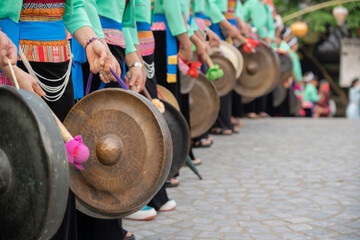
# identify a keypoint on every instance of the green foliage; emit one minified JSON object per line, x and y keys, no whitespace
{"x":318,"y":19}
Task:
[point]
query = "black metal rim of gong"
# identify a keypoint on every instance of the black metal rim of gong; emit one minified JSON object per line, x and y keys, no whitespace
{"x":44,"y":187}
{"x":180,"y":154}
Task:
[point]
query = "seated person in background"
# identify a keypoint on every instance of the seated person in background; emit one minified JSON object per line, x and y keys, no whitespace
{"x":353,"y":109}
{"x":311,"y":96}
{"x":322,"y":108}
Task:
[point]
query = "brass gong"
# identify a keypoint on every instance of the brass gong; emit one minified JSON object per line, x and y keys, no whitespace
{"x":34,"y":174}
{"x":130,"y":152}
{"x":186,"y":83}
{"x":246,"y":100}
{"x":260,"y":74}
{"x":286,"y":67}
{"x":204,"y":106}
{"x":279,"y":95}
{"x":226,"y":83}
{"x":165,"y":94}
{"x":232,"y":53}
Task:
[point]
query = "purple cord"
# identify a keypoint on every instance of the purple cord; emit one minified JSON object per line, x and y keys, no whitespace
{"x":118,"y":79}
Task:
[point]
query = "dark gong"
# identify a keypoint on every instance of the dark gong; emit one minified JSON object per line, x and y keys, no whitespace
{"x":286,"y":67}
{"x":180,"y":135}
{"x":34,"y":174}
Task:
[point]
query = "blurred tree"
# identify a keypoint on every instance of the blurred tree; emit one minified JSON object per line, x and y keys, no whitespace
{"x":321,"y":20}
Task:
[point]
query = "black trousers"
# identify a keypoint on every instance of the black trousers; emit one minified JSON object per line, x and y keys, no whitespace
{"x":67,"y":230}
{"x":237,"y":107}
{"x":161,"y":197}
{"x":160,"y":65}
{"x":224,"y":118}
{"x":258,"y":105}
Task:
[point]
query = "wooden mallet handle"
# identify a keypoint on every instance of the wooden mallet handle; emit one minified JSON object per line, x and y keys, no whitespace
{"x":64,"y":132}
{"x":208,"y":61}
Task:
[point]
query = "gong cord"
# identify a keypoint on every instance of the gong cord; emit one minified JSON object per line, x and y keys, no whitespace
{"x":58,"y":90}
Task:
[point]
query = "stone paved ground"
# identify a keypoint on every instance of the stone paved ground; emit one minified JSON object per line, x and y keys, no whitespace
{"x":277,"y":179}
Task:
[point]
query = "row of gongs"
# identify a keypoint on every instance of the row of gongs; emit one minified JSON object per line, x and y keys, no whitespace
{"x":133,"y":147}
{"x":249,"y":75}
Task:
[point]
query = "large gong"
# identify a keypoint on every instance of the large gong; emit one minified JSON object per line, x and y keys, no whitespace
{"x":232,"y":53}
{"x":226,"y":83}
{"x":180,"y":134}
{"x":34,"y":175}
{"x":260,"y":74}
{"x":204,"y":106}
{"x":165,"y":94}
{"x":130,"y":152}
{"x":186,"y":83}
{"x":286,"y":67}
{"x":279,"y":95}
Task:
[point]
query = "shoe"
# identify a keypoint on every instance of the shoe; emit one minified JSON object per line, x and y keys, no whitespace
{"x":220,"y":131}
{"x":203,"y":143}
{"x":144,"y":214}
{"x":173,"y":182}
{"x":168,"y":206}
{"x":131,"y":237}
{"x":264,"y":115}
{"x":196,"y":161}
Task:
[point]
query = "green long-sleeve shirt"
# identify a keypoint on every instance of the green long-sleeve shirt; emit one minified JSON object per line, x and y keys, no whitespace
{"x":74,"y":18}
{"x":260,"y":16}
{"x":198,"y":6}
{"x":214,"y":9}
{"x":114,"y":10}
{"x":310,"y":93}
{"x":239,"y":9}
{"x":142,"y":14}
{"x":296,"y":66}
{"x":143,"y":10}
{"x":173,"y":14}
{"x":185,"y":8}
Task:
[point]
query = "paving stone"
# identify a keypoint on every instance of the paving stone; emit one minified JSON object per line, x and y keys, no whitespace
{"x":271,"y":181}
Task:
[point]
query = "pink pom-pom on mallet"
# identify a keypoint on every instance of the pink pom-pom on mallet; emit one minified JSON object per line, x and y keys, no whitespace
{"x":77,"y":152}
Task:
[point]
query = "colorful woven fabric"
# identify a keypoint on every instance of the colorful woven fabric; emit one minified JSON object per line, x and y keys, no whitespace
{"x":146,"y":42}
{"x":114,"y":37}
{"x":202,"y":24}
{"x":230,"y":14}
{"x":158,"y":26}
{"x":44,"y":11}
{"x":4,"y":80}
{"x":46,"y":53}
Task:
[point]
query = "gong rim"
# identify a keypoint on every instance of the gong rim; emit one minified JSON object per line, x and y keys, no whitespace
{"x":286,"y":67}
{"x":186,"y":83}
{"x":226,"y":83}
{"x":260,"y":74}
{"x":167,"y":96}
{"x":120,"y":160}
{"x":204,"y":106}
{"x":180,"y":134}
{"x":232,"y":53}
{"x":40,"y":199}
{"x":246,"y":100}
{"x":279,"y":95}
